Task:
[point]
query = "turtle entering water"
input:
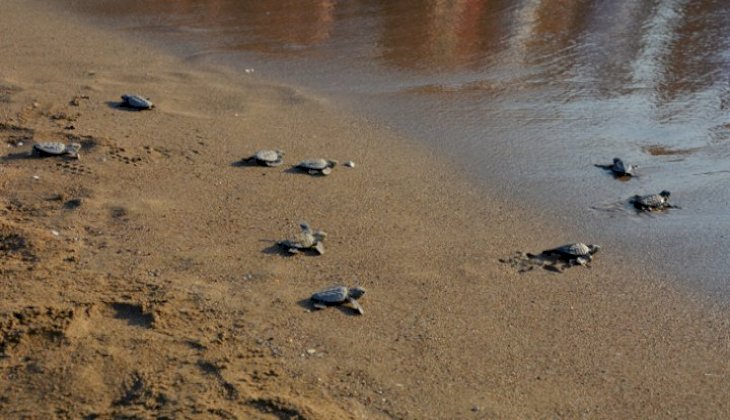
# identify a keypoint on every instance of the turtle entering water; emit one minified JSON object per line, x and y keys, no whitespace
{"x":136,"y":102}
{"x":652,"y":202}
{"x":307,"y":240}
{"x":55,"y":148}
{"x":569,"y":255}
{"x":337,"y":295}
{"x":317,"y":166}
{"x":266,"y":158}
{"x":619,"y":168}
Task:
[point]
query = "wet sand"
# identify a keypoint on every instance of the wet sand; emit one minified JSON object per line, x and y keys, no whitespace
{"x":142,"y":279}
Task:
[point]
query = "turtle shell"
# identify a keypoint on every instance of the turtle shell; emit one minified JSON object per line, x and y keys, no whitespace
{"x":316,"y":164}
{"x":621,"y":168}
{"x":572,"y":250}
{"x":334,"y":294}
{"x":651,"y":201}
{"x":136,"y":102}
{"x":50,"y":148}
{"x":269,"y":157}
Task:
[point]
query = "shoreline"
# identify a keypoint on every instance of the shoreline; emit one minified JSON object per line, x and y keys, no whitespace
{"x":159,"y":297}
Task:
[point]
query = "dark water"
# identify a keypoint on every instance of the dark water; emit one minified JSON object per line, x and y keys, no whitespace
{"x":526,"y":94}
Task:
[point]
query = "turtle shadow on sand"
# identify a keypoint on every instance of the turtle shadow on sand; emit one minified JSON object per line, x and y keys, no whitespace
{"x":296,"y":170}
{"x":15,"y":156}
{"x":277,"y":249}
{"x":301,"y":171}
{"x":524,"y":262}
{"x":245,"y":164}
{"x":345,"y":308}
{"x":27,"y":155}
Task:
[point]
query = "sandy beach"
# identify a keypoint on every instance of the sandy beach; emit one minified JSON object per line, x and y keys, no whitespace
{"x":143,"y":279}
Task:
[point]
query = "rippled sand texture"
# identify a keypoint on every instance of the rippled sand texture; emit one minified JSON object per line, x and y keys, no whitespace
{"x":142,"y":281}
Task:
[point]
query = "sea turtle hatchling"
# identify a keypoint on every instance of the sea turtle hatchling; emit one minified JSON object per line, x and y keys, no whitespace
{"x":306,"y":240}
{"x":577,"y":253}
{"x":652,"y":202}
{"x":317,"y":166}
{"x":337,"y":295}
{"x":619,"y":168}
{"x":56,"y":148}
{"x":266,"y":158}
{"x":136,"y":102}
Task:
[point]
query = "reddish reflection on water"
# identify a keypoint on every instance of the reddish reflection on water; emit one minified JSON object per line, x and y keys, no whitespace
{"x":674,"y":45}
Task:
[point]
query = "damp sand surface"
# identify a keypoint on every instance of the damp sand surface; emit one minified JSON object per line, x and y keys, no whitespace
{"x":141,"y":280}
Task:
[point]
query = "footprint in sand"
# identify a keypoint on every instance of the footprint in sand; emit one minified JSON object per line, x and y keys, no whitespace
{"x":15,"y":135}
{"x":7,"y":90}
{"x":73,"y":168}
{"x":120,"y":154}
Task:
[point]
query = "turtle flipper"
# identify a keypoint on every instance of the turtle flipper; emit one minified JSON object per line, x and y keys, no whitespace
{"x":356,"y":305}
{"x":319,"y":305}
{"x":319,"y":247}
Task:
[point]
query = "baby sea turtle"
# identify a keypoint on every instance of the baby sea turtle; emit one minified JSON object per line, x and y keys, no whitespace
{"x":267,"y":158}
{"x":577,"y":253}
{"x":55,"y":148}
{"x":619,"y":168}
{"x":652,"y":202}
{"x":337,"y":295}
{"x":306,"y":240}
{"x":136,"y":102}
{"x":317,"y":166}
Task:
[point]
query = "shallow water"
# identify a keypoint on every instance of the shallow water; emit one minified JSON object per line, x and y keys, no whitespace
{"x":527,"y":94}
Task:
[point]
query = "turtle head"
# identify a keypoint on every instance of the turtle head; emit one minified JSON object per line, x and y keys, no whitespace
{"x":593,"y":249}
{"x":73,"y":149}
{"x":616,"y":160}
{"x":332,"y":163}
{"x":665,"y":194}
{"x":356,"y":292}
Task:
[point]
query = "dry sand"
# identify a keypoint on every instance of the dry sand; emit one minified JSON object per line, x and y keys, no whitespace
{"x":161,"y":293}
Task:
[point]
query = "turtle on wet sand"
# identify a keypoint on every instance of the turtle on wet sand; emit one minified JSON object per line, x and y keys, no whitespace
{"x":56,"y":148}
{"x":619,"y":168}
{"x":317,"y":166}
{"x":337,"y":295}
{"x":577,"y":253}
{"x":136,"y":102}
{"x":306,"y":240}
{"x":266,"y":158}
{"x":652,"y":202}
